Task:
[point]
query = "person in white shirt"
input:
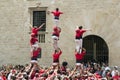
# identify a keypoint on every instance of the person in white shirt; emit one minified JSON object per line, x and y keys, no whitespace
{"x":114,"y":71}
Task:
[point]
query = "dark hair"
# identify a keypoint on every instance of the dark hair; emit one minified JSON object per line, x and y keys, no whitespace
{"x":36,"y":71}
{"x":13,"y":77}
{"x":58,"y":71}
{"x":59,"y":78}
{"x":56,"y":51}
{"x":80,"y":27}
{"x":64,"y":63}
{"x":45,"y":75}
{"x":57,"y":9}
{"x":51,"y":72}
{"x":26,"y":76}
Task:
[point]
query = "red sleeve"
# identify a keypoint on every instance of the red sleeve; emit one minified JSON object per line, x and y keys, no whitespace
{"x":83,"y":30}
{"x":55,"y":29}
{"x":77,"y":31}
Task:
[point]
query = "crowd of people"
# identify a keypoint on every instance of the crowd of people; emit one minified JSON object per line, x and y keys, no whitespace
{"x":87,"y":71}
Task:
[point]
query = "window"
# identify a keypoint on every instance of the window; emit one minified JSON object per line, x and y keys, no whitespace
{"x":39,"y":17}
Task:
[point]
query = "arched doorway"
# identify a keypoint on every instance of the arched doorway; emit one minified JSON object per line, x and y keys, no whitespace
{"x":96,"y":48}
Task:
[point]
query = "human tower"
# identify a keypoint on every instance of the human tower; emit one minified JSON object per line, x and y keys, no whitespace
{"x":35,"y":49}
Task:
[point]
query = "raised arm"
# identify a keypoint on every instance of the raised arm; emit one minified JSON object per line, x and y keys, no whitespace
{"x":31,"y":72}
{"x":30,"y":26}
{"x":41,"y":25}
{"x":60,"y":51}
{"x":72,"y":73}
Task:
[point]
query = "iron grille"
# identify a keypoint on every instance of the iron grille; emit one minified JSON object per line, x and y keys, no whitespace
{"x":39,"y":17}
{"x":97,"y":49}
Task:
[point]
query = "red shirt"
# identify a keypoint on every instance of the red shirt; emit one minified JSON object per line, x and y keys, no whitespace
{"x":63,"y":68}
{"x":116,"y":77}
{"x":56,"y":55}
{"x":35,"y":30}
{"x":97,"y":76}
{"x":4,"y":78}
{"x":56,"y":31}
{"x":80,"y":56}
{"x":32,"y":75}
{"x":56,"y":13}
{"x":79,"y":33}
{"x":36,"y":52}
{"x":33,"y":40}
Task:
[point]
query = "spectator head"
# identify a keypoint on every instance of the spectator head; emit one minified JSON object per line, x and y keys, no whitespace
{"x":64,"y":63}
{"x":45,"y":75}
{"x":115,"y":67}
{"x":51,"y":72}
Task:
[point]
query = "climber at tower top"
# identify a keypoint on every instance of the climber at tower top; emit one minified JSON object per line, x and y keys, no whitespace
{"x":56,"y":14}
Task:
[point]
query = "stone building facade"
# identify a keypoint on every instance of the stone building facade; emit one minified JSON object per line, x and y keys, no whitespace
{"x":102,"y":16}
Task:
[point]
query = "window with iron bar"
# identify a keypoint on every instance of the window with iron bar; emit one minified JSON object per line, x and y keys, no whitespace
{"x":39,"y":17}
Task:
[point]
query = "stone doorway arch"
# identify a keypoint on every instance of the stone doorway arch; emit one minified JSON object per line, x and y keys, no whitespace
{"x":96,"y":49}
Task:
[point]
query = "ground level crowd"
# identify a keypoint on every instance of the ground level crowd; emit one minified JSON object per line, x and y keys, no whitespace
{"x":33,"y":71}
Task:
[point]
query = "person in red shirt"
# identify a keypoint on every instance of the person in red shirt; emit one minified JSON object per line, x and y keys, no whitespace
{"x":116,"y":76}
{"x":64,"y":67}
{"x":55,"y":36}
{"x":34,"y":55}
{"x":35,"y":29}
{"x":33,"y":42}
{"x":78,"y":38}
{"x":79,"y":57}
{"x":56,"y":14}
{"x":3,"y":75}
{"x":56,"y":56}
{"x":33,"y":39}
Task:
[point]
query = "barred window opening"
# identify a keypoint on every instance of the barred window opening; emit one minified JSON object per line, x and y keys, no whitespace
{"x":97,"y":49}
{"x":39,"y":17}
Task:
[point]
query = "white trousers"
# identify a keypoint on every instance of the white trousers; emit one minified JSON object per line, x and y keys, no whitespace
{"x":56,"y":22}
{"x":34,"y":46}
{"x":55,"y":42}
{"x":79,"y":43}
